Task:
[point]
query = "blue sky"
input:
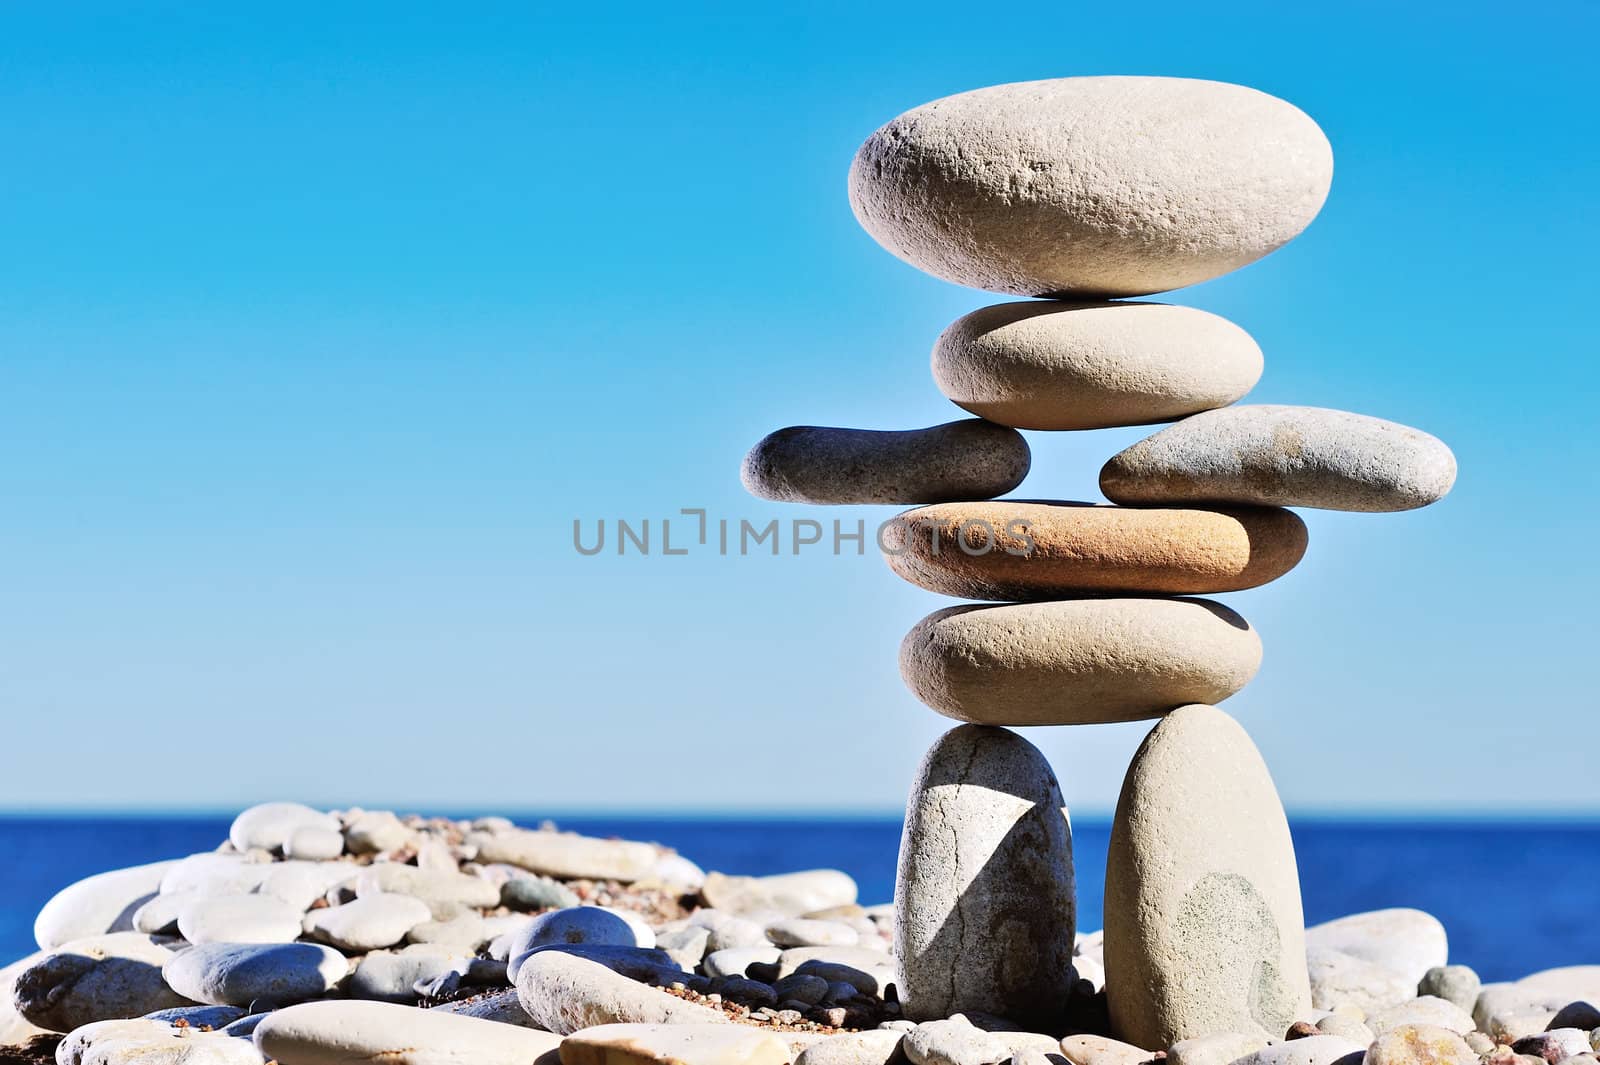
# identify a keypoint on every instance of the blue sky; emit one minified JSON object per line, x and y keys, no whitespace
{"x":318,"y":329}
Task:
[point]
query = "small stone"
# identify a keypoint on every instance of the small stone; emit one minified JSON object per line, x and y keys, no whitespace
{"x":231,"y":974}
{"x":1280,"y":456}
{"x":567,"y":856}
{"x":1081,"y":661}
{"x":953,"y":1042}
{"x":587,"y":925}
{"x":1101,"y":1050}
{"x":314,"y":843}
{"x":1090,"y":365}
{"x":198,"y":1016}
{"x":1302,"y":1030}
{"x":1202,"y":899}
{"x":444,"y":893}
{"x":1453,"y":983}
{"x":736,"y":961}
{"x":791,"y":1015}
{"x":971,"y":459}
{"x":1576,"y":1015}
{"x":877,"y":1047}
{"x":528,"y":893}
{"x":371,"y":922}
{"x":745,"y":991}
{"x":802,"y":932}
{"x":269,"y":825}
{"x":564,"y":993}
{"x":462,"y":934}
{"x":673,"y":1044}
{"x":1313,"y":1050}
{"x":1420,"y":1044}
{"x":500,"y":1006}
{"x":375,"y":832}
{"x":1012,"y":550}
{"x":336,"y":1033}
{"x":239,"y":919}
{"x":1339,"y":979}
{"x":1480,"y":1043}
{"x":1427,"y":1010}
{"x":687,"y":946}
{"x":97,"y":905}
{"x":802,"y":987}
{"x":790,"y":894}
{"x":1557,"y":1044}
{"x":98,"y":978}
{"x":878,"y":973}
{"x":147,"y":1042}
{"x":1347,"y":1027}
{"x":159,"y":916}
{"x":1217,"y":1048}
{"x":1102,"y":186}
{"x":984,"y":897}
{"x":392,"y":976}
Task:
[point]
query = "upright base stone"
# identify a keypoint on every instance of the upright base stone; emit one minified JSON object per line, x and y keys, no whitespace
{"x":984,"y":900}
{"x":1204,"y":931}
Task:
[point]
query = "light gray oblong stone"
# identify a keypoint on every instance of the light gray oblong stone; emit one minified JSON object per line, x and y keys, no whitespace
{"x":984,"y":897}
{"x":99,"y":978}
{"x":1077,"y":661}
{"x":1092,"y":365}
{"x":337,"y":1033}
{"x":564,"y":993}
{"x":97,"y":905}
{"x":238,"y":974}
{"x":1204,"y":930}
{"x":1284,"y":456}
{"x":968,"y":459}
{"x":1104,"y":186}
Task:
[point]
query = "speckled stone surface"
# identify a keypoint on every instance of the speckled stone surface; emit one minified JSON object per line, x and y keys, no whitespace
{"x":970,"y":459}
{"x":1104,"y":186}
{"x":1088,"y":365}
{"x":984,"y":899}
{"x":1077,"y":661}
{"x":1204,"y":929}
{"x":1285,"y":457}
{"x":1014,"y":551}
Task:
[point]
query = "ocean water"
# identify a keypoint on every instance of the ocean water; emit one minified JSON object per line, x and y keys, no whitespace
{"x":1515,"y":897}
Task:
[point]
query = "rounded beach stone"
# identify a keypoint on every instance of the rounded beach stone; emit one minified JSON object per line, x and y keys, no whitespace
{"x":872,"y":1047}
{"x":239,"y":919}
{"x":984,"y":901}
{"x":235,"y":974}
{"x":804,"y":932}
{"x":1425,"y":1009}
{"x":970,"y":459}
{"x":1023,"y":550}
{"x":1453,"y":983}
{"x":1308,"y":1050}
{"x":1340,"y":979}
{"x":791,"y":894}
{"x":269,"y":825}
{"x":564,"y":993}
{"x":1103,"y":186}
{"x":955,"y":1041}
{"x":673,"y":1044}
{"x":371,"y":922}
{"x":1420,"y":1044}
{"x":314,"y":843}
{"x":109,"y":977}
{"x":336,"y":1033}
{"x":1282,"y":456}
{"x":97,"y":905}
{"x":590,"y":925}
{"x":566,"y":855}
{"x":1077,"y":662}
{"x":1202,"y":901}
{"x":1405,"y":941}
{"x":147,"y":1042}
{"x":1101,"y":1050}
{"x":444,"y":892}
{"x":1050,"y":365}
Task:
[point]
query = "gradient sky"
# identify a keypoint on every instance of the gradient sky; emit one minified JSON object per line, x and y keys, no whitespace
{"x":320,"y":326}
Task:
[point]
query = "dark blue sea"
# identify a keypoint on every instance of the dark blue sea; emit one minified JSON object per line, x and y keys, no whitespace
{"x":1515,"y":897}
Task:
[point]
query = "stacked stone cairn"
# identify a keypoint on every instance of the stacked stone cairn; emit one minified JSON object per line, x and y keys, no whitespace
{"x":1082,"y":192}
{"x":315,"y":937}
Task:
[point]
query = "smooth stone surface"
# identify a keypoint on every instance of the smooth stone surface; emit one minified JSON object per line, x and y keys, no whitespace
{"x":1409,"y":942}
{"x":462,"y":934}
{"x":233,"y":974}
{"x":953,"y":1042}
{"x":1077,"y":661}
{"x":99,"y":978}
{"x":239,"y":919}
{"x":564,"y":994}
{"x":1340,"y":979}
{"x":1346,"y":1026}
{"x":147,"y":1042}
{"x":1311,"y":1050}
{"x":984,"y":896}
{"x":393,"y":976}
{"x":861,"y":966}
{"x":444,"y":892}
{"x":1420,"y":1045}
{"x":337,"y":1033}
{"x":371,"y":922}
{"x":501,"y":1006}
{"x":805,"y":932}
{"x":589,"y":925}
{"x":1508,"y":1011}
{"x":314,"y":843}
{"x":1203,"y":925}
{"x":536,"y":893}
{"x":1453,"y":983}
{"x":567,"y":856}
{"x":1283,"y":457}
{"x":1092,"y":365}
{"x":1217,"y":1048}
{"x":636,"y":963}
{"x":1101,"y":1050}
{"x":1011,"y":550}
{"x":97,"y":905}
{"x":686,"y":946}
{"x":971,"y":459}
{"x":375,"y":832}
{"x":15,"y":1029}
{"x":874,"y":1047}
{"x":159,"y":916}
{"x":269,"y":825}
{"x":791,"y":894}
{"x":1426,"y":1009}
{"x":1092,"y":186}
{"x":673,"y":1044}
{"x":734,"y":961}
